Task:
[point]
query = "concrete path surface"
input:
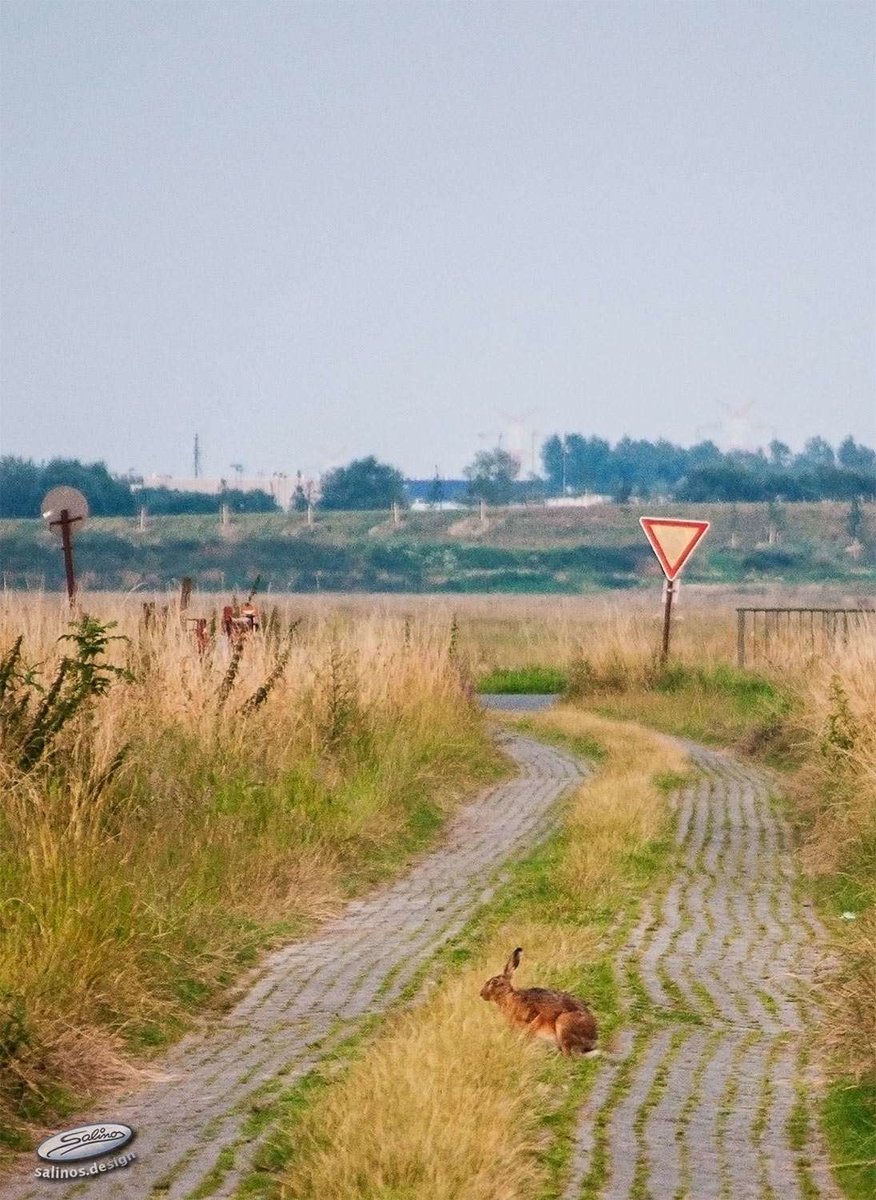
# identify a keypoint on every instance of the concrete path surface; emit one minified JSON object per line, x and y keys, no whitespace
{"x":315,"y":993}
{"x":710,"y":1098}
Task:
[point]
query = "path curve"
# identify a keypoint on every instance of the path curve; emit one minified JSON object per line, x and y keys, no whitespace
{"x":712,"y":1096}
{"x":316,"y":992}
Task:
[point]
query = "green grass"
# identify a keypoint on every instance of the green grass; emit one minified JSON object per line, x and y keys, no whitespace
{"x":519,"y":550}
{"x":719,"y":706}
{"x":534,"y":681}
{"x":849,"y":1120}
{"x":587,"y":748}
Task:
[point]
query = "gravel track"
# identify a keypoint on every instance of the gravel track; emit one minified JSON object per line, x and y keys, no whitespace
{"x":316,"y":992}
{"x":699,"y":1102}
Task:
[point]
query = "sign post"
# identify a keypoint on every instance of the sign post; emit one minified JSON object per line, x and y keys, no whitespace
{"x":673,"y":541}
{"x":65,"y":510}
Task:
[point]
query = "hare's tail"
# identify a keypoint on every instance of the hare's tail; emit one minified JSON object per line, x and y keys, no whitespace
{"x":591,"y":1054}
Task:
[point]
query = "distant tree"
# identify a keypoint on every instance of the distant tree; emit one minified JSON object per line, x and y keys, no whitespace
{"x":364,"y":484}
{"x":23,"y":484}
{"x":106,"y":495}
{"x":816,"y":453}
{"x":162,"y":501}
{"x":702,"y":454}
{"x":255,"y":501}
{"x":171,"y":502}
{"x":855,"y":520}
{"x":723,"y":481}
{"x":436,"y":490}
{"x":300,"y":500}
{"x":780,"y":454}
{"x":855,"y":457}
{"x":21,"y":487}
{"x":491,"y":476}
{"x":552,"y":461}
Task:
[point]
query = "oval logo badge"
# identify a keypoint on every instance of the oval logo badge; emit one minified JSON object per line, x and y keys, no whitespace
{"x":85,"y":1141}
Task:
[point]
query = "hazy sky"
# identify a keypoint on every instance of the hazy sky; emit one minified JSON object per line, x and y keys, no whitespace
{"x":310,"y":231}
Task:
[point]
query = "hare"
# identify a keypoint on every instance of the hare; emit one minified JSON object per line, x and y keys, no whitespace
{"x":542,"y":1012}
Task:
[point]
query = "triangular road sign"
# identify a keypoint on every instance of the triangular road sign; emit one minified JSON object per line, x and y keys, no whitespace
{"x":673,"y":540}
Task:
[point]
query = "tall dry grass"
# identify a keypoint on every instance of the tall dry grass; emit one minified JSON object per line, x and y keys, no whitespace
{"x":835,"y":791}
{"x":229,"y":822}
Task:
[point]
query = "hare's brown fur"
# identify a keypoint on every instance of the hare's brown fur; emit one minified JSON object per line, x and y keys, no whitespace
{"x":543,"y":1012}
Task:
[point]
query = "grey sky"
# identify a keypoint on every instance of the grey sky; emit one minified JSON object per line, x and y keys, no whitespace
{"x":312,"y":231}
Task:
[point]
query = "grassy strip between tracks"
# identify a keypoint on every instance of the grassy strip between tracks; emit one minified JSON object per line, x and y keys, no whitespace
{"x":445,"y":1101}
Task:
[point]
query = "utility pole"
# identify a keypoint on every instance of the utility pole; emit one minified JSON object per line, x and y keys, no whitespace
{"x":196,"y":457}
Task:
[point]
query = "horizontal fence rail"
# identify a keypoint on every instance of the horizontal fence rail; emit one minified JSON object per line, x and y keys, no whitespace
{"x":813,"y":627}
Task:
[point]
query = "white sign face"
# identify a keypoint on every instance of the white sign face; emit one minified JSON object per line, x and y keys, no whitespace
{"x":673,"y":541}
{"x":60,"y":498}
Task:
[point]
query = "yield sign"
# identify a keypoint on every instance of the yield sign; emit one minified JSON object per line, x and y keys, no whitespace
{"x":673,"y":541}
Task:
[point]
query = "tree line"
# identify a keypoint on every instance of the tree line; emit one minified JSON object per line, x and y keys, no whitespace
{"x":23,"y":483}
{"x":573,"y":464}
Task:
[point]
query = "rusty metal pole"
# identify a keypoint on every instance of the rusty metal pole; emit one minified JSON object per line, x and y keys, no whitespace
{"x":667,"y":614}
{"x":67,"y":543}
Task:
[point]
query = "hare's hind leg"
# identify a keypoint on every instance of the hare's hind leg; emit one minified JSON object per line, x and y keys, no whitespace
{"x":575,"y":1033}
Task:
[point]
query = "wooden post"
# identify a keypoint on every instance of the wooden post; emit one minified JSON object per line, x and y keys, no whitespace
{"x":483,"y":512}
{"x":309,"y":513}
{"x":67,"y":543}
{"x":223,"y":509}
{"x":142,"y":517}
{"x":667,"y":614}
{"x":740,"y":637}
{"x":185,"y":592}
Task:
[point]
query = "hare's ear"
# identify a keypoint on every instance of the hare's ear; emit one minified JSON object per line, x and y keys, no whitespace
{"x":513,"y":963}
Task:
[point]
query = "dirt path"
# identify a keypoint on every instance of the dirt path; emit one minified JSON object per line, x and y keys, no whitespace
{"x":314,"y":993}
{"x":710,"y":1099}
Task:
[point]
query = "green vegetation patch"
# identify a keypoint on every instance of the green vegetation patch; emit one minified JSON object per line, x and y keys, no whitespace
{"x":717,"y":705}
{"x":849,"y":1117}
{"x":522,"y":681}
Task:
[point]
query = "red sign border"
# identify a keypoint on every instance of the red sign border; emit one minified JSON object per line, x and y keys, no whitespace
{"x":701,"y":527}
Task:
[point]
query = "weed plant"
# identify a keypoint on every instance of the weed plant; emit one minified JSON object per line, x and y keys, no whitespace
{"x":169,"y":810}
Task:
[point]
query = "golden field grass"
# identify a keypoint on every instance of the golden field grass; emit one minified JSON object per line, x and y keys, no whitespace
{"x":134,"y":890}
{"x":449,"y":1102}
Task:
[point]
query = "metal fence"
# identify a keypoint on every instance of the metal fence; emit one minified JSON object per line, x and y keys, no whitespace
{"x":757,"y":629}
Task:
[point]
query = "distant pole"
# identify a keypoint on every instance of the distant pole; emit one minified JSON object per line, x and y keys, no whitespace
{"x":196,"y":457}
{"x":483,"y":511}
{"x":667,"y":614}
{"x":395,"y":517}
{"x":142,"y":517}
{"x":67,"y":542}
{"x":309,"y":513}
{"x":564,"y":464}
{"x":740,"y":637}
{"x":224,"y":511}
